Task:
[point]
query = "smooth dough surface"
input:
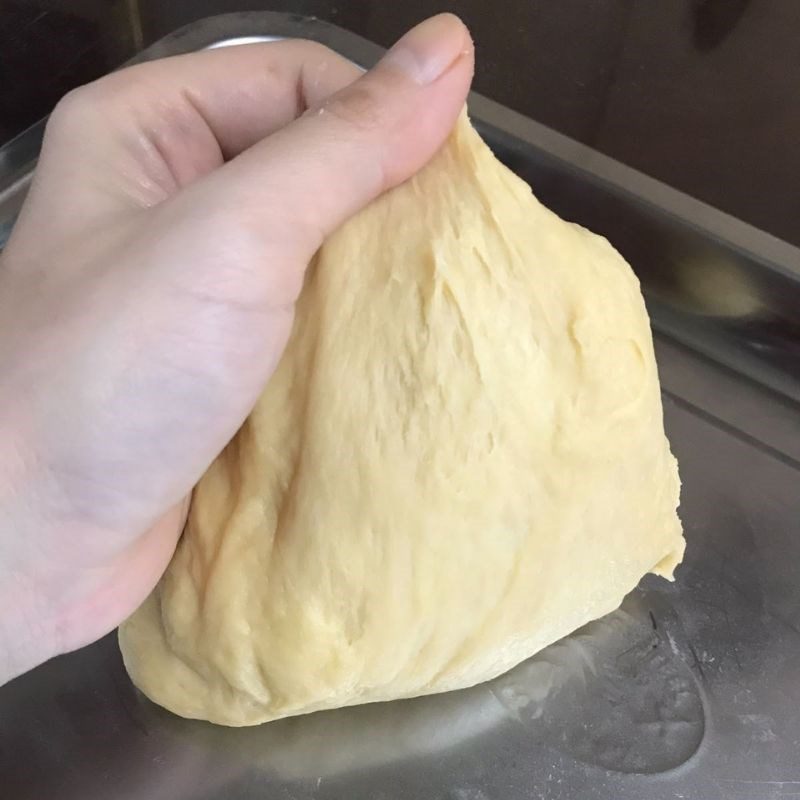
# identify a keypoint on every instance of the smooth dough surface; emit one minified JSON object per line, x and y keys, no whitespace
{"x":459,"y":460}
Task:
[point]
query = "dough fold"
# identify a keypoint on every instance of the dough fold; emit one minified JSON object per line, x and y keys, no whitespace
{"x":459,"y":460}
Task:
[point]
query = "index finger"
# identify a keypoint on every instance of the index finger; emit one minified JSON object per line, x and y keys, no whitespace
{"x":242,"y":93}
{"x":136,"y":136}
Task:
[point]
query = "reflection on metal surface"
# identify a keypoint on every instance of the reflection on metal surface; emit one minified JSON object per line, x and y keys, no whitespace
{"x":346,"y":741}
{"x":243,"y":40}
{"x":690,"y":690}
{"x":17,"y":161}
{"x":712,"y":285}
{"x":134,"y":15}
{"x":617,"y":694}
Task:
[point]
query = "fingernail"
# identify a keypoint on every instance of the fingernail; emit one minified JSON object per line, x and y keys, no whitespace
{"x":429,"y":50}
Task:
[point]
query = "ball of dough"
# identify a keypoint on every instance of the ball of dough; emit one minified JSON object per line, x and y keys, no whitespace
{"x":459,"y":460}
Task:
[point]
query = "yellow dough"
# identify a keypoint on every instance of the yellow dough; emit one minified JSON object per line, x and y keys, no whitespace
{"x":459,"y":460}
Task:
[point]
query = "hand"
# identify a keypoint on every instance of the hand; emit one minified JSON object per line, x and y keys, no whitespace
{"x":147,"y":292}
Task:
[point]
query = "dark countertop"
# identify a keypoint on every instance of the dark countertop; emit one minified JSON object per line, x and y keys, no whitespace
{"x":702,"y":94}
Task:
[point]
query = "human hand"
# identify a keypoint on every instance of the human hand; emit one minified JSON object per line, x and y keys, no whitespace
{"x":147,"y":292}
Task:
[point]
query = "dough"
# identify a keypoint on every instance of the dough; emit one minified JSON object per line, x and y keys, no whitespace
{"x":459,"y":460}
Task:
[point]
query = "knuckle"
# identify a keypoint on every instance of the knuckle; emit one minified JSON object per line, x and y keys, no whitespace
{"x":360,"y":106}
{"x":312,"y":50}
{"x":72,"y":111}
{"x":68,"y":107}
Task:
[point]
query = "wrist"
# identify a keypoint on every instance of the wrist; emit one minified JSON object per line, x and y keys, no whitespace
{"x":28,"y":635}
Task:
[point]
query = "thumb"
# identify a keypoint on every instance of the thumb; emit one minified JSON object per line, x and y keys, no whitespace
{"x":289,"y":191}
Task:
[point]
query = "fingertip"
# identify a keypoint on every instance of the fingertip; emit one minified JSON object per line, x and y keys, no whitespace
{"x":429,"y":50}
{"x":429,"y":113}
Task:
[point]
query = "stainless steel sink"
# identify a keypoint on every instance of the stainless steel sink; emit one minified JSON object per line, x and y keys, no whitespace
{"x":690,"y":690}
